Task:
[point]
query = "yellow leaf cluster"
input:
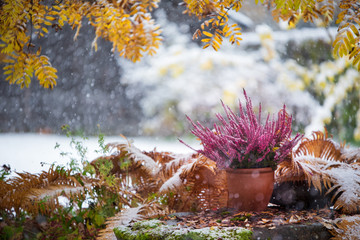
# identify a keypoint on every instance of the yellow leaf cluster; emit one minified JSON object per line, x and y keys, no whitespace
{"x":217,"y":27}
{"x":127,"y":24}
{"x":132,"y":32}
{"x":22,"y":68}
{"x":347,"y":40}
{"x":200,"y":8}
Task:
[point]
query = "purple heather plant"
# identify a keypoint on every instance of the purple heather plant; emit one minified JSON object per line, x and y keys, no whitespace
{"x":241,"y":141}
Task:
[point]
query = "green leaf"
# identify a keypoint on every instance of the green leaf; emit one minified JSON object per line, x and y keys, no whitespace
{"x":99,"y":219}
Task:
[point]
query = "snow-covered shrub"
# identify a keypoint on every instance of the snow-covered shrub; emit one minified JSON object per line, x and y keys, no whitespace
{"x":185,"y":79}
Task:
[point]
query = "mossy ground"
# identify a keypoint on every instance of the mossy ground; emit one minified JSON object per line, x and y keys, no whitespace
{"x":157,"y":230}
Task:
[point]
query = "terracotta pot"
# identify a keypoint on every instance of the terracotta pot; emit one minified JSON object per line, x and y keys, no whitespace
{"x":250,"y":189}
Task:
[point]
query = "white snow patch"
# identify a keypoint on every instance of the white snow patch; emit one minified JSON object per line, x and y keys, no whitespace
{"x":26,"y":152}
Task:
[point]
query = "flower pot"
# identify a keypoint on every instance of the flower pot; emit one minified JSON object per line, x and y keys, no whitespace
{"x":250,"y":189}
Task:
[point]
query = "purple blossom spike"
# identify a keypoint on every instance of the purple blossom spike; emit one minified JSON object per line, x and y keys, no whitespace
{"x":241,"y":141}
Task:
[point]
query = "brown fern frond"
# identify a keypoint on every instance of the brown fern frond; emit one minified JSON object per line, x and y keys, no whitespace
{"x":205,"y":184}
{"x":345,"y":189}
{"x":135,"y":169}
{"x":300,"y":169}
{"x":320,"y":146}
{"x":175,"y":180}
{"x":350,"y":155}
{"x":187,"y":180}
{"x":37,"y":193}
{"x":173,"y":163}
{"x":323,"y":163}
{"x":345,"y":228}
{"x":146,"y":210}
{"x":139,"y":159}
{"x":308,"y":161}
{"x":147,"y":171}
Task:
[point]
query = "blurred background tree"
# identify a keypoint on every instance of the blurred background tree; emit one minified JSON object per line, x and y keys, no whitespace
{"x":152,"y":96}
{"x":129,"y":26}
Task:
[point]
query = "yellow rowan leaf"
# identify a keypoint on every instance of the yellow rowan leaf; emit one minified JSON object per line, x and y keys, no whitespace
{"x":355,"y":30}
{"x":215,"y":46}
{"x":356,"y":61}
{"x":206,"y":40}
{"x":354,"y":53}
{"x":44,"y":58}
{"x":50,"y":18}
{"x":342,"y":52}
{"x":347,"y":43}
{"x":207,"y":34}
{"x":57,"y":7}
{"x":8,"y":67}
{"x":350,"y":36}
{"x":206,"y":45}
{"x":217,"y":35}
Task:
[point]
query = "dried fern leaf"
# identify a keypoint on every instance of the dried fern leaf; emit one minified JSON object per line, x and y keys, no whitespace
{"x":345,"y":228}
{"x":175,"y":180}
{"x":350,"y":155}
{"x":322,"y":162}
{"x":308,"y":161}
{"x":345,"y":179}
{"x":143,"y":211}
{"x":206,"y":185}
{"x":37,"y":193}
{"x":319,"y":146}
{"x":138,"y":158}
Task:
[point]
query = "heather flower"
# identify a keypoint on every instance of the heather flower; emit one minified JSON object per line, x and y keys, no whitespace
{"x":241,"y":141}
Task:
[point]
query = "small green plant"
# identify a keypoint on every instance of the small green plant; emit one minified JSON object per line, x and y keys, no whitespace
{"x":241,"y":218}
{"x":73,"y":203}
{"x":224,"y":213}
{"x":4,"y":172}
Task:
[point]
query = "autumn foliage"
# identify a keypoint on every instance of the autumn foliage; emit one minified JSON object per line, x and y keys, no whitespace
{"x":128,"y":184}
{"x":129,"y":26}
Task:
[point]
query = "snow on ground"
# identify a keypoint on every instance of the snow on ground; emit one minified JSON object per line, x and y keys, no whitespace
{"x":26,"y":152}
